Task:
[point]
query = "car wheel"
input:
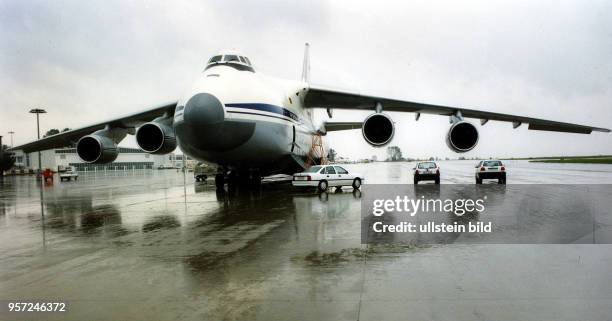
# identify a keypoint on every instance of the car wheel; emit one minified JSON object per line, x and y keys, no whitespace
{"x":356,"y":183}
{"x":416,"y":181}
{"x":478,"y":180}
{"x":322,"y":186}
{"x":501,"y":181}
{"x":437,"y":180}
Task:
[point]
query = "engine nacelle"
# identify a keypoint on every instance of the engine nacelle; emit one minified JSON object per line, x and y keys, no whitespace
{"x":378,"y":129}
{"x":462,"y":137}
{"x":156,"y":138}
{"x":97,"y":149}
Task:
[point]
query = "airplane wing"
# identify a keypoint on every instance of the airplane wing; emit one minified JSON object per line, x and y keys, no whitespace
{"x":67,"y":138}
{"x":325,"y":98}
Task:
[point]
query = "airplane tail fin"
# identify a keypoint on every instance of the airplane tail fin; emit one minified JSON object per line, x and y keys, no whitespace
{"x":306,"y":64}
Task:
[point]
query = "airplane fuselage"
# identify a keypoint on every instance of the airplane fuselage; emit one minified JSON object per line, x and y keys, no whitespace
{"x":245,"y":120}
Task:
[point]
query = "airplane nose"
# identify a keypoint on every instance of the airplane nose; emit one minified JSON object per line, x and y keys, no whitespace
{"x":203,"y":109}
{"x":203,"y":129}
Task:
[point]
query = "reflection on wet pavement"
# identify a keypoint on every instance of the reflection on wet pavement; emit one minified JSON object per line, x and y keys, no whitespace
{"x":132,"y":245}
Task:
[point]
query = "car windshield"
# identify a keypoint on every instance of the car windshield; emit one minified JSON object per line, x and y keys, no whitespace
{"x":426,"y":165}
{"x":492,"y":163}
{"x":313,"y":169}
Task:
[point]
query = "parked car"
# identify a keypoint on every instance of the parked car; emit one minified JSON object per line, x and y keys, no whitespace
{"x":426,"y":171}
{"x":202,"y":171}
{"x":69,"y":174}
{"x":490,"y":169}
{"x":324,"y":176}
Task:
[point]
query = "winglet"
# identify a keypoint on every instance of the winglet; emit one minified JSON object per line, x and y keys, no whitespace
{"x":306,"y":64}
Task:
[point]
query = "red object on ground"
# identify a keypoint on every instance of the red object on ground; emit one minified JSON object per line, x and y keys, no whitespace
{"x":48,"y":174}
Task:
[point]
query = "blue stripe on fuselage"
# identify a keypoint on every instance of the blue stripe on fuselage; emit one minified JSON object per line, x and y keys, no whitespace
{"x":267,"y":108}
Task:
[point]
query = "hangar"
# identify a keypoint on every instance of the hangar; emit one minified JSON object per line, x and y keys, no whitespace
{"x":129,"y":158}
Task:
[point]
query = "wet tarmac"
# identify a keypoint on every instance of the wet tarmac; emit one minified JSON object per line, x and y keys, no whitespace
{"x":140,"y":245}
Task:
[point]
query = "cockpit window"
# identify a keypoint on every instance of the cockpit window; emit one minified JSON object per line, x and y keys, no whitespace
{"x":230,"y":58}
{"x":215,"y":59}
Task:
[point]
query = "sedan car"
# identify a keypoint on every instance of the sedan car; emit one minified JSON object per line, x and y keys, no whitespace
{"x":490,"y":169}
{"x":426,"y":171}
{"x":70,"y":174}
{"x":324,"y":176}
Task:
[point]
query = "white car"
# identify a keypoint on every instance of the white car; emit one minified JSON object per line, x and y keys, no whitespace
{"x":69,"y":174}
{"x":426,"y":171}
{"x":324,"y":176}
{"x":490,"y":169}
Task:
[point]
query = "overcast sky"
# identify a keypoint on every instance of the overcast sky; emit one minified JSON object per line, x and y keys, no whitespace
{"x":85,"y":61}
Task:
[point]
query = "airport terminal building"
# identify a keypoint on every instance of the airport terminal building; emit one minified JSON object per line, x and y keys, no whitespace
{"x":128,"y":158}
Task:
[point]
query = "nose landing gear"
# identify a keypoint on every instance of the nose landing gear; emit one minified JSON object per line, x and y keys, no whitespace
{"x":219,"y":180}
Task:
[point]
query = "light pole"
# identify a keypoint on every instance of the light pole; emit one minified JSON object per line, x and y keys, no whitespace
{"x":11,"y":133}
{"x":38,"y":111}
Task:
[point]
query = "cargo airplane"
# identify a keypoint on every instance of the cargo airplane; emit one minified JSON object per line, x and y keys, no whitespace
{"x":254,"y":125}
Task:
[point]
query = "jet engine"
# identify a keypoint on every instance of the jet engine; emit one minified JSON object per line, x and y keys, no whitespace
{"x":378,"y":129}
{"x":96,"y":149}
{"x":462,"y":137}
{"x":156,"y":138}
